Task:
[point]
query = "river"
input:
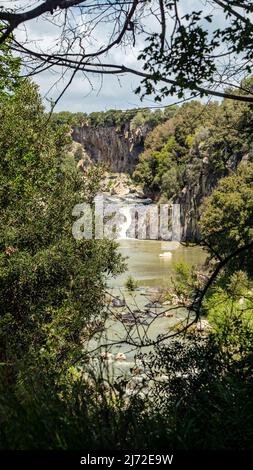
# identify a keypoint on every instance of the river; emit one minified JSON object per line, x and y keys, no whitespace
{"x":148,"y":265}
{"x":152,"y":273}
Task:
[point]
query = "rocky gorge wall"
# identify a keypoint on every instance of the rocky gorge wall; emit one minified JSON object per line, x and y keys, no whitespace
{"x":196,"y":189}
{"x":118,"y":148}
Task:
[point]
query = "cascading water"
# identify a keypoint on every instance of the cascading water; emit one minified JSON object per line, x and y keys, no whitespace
{"x":126,"y":212}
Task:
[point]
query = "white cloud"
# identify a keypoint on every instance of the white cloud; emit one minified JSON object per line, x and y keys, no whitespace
{"x":100,"y":94}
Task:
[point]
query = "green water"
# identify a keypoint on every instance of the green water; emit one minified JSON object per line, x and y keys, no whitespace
{"x":152,"y":273}
{"x":148,"y":268}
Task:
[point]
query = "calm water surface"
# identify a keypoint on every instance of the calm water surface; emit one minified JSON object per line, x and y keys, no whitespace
{"x":150,"y":269}
{"x":151,"y":272}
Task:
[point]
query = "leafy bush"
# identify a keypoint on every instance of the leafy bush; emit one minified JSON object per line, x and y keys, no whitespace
{"x":227,"y":222}
{"x":131,"y":284}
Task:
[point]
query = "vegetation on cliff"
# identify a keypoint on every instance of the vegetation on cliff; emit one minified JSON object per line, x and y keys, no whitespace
{"x":227,"y":222}
{"x":200,"y":137}
{"x":116,"y":118}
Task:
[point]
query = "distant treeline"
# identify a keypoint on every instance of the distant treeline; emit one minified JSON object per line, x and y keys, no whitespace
{"x":116,"y":118}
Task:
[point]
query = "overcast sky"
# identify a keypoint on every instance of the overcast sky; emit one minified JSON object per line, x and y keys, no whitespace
{"x":92,"y":93}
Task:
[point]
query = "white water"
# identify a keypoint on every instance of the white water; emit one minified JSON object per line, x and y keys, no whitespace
{"x":126,"y":212}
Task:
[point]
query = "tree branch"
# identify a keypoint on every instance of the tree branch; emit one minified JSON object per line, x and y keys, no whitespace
{"x":114,"y":69}
{"x":225,"y":6}
{"x":15,"y":19}
{"x":163,"y":22}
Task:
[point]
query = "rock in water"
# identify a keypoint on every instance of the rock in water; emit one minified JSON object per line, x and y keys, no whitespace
{"x":106,"y":356}
{"x":120,"y":357}
{"x":118,"y":302}
{"x":167,"y":254}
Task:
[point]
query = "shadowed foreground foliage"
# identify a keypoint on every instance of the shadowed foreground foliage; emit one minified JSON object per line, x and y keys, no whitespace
{"x":203,"y":402}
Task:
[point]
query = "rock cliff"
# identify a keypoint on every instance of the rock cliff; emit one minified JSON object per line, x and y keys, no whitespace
{"x":197,"y":188}
{"x":117,"y":148}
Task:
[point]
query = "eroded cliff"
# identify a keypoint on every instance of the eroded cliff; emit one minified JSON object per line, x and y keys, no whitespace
{"x":199,"y":187}
{"x":117,"y":147}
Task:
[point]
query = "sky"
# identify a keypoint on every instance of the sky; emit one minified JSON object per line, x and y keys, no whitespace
{"x":93,"y":93}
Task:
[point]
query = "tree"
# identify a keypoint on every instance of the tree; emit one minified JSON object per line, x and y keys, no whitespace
{"x":184,"y":51}
{"x":131,"y":284}
{"x":227,"y":222}
{"x":52,"y":287}
{"x":9,"y":69}
{"x":171,"y":148}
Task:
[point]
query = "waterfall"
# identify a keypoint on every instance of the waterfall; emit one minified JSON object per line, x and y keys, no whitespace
{"x":126,"y":212}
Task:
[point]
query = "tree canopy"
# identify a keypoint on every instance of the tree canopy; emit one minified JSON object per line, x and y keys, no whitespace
{"x":199,"y":139}
{"x":116,"y":118}
{"x":227,"y":219}
{"x":51,"y":286}
{"x":9,"y":69}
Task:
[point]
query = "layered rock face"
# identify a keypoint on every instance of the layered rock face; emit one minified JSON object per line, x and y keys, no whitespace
{"x":117,"y":148}
{"x":197,"y":189}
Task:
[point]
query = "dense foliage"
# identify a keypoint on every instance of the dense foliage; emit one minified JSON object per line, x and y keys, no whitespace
{"x":116,"y":118}
{"x":51,"y":286}
{"x":227,"y":218}
{"x":189,"y":383}
{"x":9,"y":69}
{"x":200,"y":138}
